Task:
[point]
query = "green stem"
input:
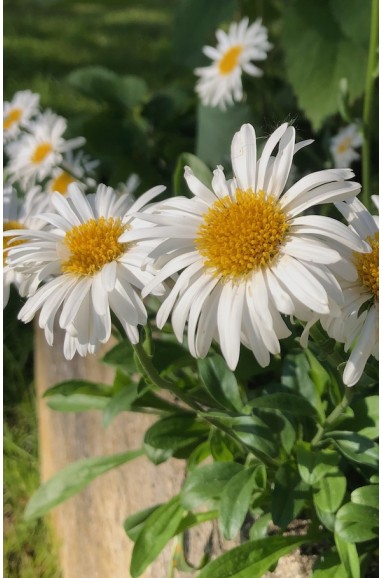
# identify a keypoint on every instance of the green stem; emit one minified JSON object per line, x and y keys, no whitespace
{"x":337,"y":411}
{"x":156,"y":379}
{"x":367,"y":108}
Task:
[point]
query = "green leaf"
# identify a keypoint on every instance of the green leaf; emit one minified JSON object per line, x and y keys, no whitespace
{"x":216,"y":129}
{"x":72,"y":386}
{"x":134,"y":523}
{"x":102,"y":84}
{"x":356,"y":448}
{"x":366,"y":417}
{"x":296,"y":375}
{"x":286,"y":402}
{"x":326,"y":518}
{"x":235,"y":502}
{"x":72,"y":480}
{"x":357,"y":523}
{"x":256,"y":434}
{"x":195,"y":22}
{"x":207,"y":482}
{"x":168,"y":353}
{"x":349,"y":557}
{"x":314,"y":464}
{"x":289,"y":495}
{"x":122,"y":401}
{"x":252,"y":559}
{"x":158,"y":529}
{"x":178,"y":434}
{"x":220,"y":382}
{"x":77,"y":402}
{"x":201,"y":171}
{"x":219,"y":446}
{"x":329,"y":492}
{"x":366,"y":495}
{"x":333,"y":38}
{"x":121,"y":356}
{"x":328,"y":565}
{"x":259,"y":529}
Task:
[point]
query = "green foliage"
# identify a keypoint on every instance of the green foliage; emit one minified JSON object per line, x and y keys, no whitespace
{"x":220,"y":382}
{"x":332,"y":44}
{"x":72,"y":480}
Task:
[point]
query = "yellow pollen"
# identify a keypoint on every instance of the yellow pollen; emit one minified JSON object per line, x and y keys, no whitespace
{"x":8,"y":242}
{"x":241,"y":235}
{"x":344,"y":145}
{"x":62,"y":182}
{"x":367,"y":265}
{"x":40,"y":152}
{"x":93,"y":244}
{"x":230,"y":59}
{"x":13,"y":116}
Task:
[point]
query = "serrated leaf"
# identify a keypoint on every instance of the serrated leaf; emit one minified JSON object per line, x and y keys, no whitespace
{"x":72,"y":480}
{"x":253,"y":559}
{"x":333,"y":52}
{"x":158,"y":529}
{"x":207,"y":482}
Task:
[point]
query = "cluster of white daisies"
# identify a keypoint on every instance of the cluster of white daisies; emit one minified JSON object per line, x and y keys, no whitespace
{"x":233,"y":263}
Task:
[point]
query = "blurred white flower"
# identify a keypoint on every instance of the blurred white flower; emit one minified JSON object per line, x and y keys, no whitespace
{"x":87,"y":268}
{"x":19,"y":214}
{"x":358,"y":325}
{"x":130,"y":185}
{"x":34,"y":155}
{"x":75,"y":167}
{"x":220,"y":83}
{"x":243,"y":252}
{"x":18,"y":112}
{"x":343,"y":145}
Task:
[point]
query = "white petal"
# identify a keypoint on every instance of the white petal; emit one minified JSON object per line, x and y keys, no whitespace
{"x":282,"y":163}
{"x":170,"y":268}
{"x":244,"y":157}
{"x":362,"y":351}
{"x":271,"y":143}
{"x":197,"y":188}
{"x":229,"y":321}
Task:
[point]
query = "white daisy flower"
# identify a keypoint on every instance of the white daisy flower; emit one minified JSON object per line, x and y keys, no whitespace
{"x":18,"y":112}
{"x":244,"y":253}
{"x":75,"y":167}
{"x":87,"y":269}
{"x":220,"y":83}
{"x":19,"y":214}
{"x":34,"y":155}
{"x":130,"y":185}
{"x":343,"y":145}
{"x":358,"y":325}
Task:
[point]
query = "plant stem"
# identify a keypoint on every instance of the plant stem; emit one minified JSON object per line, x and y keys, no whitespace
{"x":337,"y":411}
{"x":367,"y":108}
{"x":156,"y":379}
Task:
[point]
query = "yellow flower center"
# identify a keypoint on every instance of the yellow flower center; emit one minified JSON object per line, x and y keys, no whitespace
{"x":93,"y":244}
{"x":344,"y":145}
{"x":40,"y":152}
{"x":230,"y":59}
{"x":241,"y":235}
{"x":9,"y":242}
{"x":367,"y":265}
{"x":62,"y":182}
{"x":13,"y":116}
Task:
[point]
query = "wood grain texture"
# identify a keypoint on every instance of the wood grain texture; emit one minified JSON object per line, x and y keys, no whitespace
{"x":92,"y":542}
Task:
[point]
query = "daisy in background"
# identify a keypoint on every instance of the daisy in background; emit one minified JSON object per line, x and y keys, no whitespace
{"x":244,"y":253}
{"x":220,"y":84}
{"x":358,"y":325}
{"x":19,"y":214}
{"x":34,"y":155}
{"x":86,"y":268}
{"x":75,"y":167}
{"x":343,"y":145}
{"x":18,"y":112}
